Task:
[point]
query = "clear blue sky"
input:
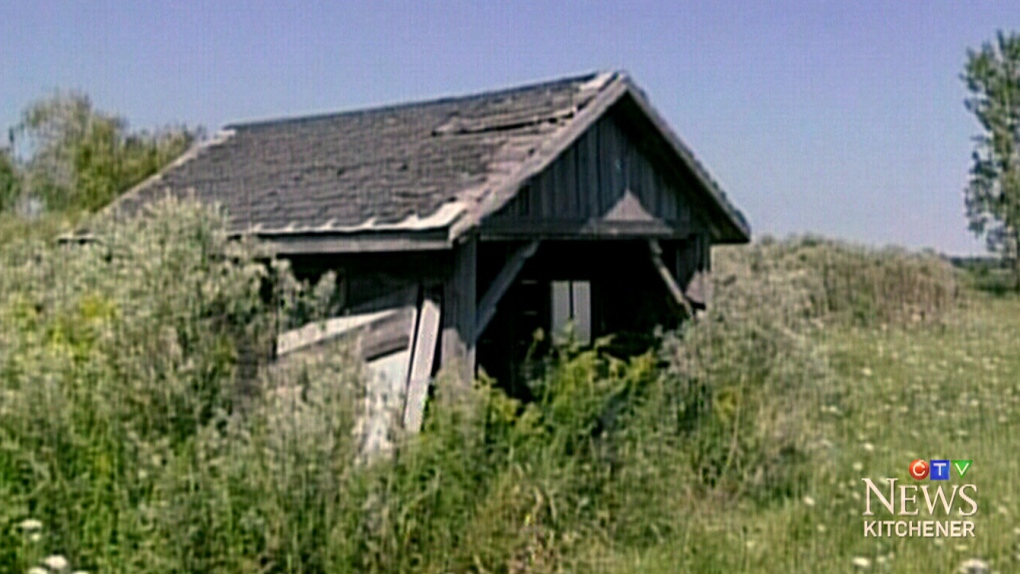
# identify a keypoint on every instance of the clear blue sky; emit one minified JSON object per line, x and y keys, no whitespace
{"x":840,"y":118}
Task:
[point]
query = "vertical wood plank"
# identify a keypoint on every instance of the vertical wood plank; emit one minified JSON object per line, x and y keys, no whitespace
{"x":594,"y":191}
{"x":619,"y":161}
{"x":609,"y":193}
{"x":661,"y":199}
{"x":459,"y":305}
{"x":564,"y":195}
{"x":576,"y":181}
{"x":669,"y":199}
{"x":581,"y":178}
{"x":542,"y":190}
{"x":570,"y":183}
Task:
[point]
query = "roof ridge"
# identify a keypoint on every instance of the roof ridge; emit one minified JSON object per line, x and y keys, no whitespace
{"x":409,"y":104}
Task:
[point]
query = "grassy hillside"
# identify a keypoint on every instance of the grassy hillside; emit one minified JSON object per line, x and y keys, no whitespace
{"x":896,"y":394}
{"x":133,"y":438}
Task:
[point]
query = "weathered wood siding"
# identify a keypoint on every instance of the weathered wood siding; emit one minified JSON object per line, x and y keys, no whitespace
{"x":605,"y":182}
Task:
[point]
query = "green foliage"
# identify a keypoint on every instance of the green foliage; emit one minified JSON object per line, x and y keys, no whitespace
{"x":130,"y":430}
{"x":10,"y":186}
{"x":82,"y":158}
{"x":992,"y":75}
{"x":121,"y":373}
{"x":814,"y":279}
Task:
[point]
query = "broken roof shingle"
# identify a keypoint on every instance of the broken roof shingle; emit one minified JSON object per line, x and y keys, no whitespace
{"x":409,"y":166}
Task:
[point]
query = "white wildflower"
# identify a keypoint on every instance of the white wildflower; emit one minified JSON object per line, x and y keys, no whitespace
{"x":868,"y":446}
{"x":37,"y":570}
{"x":55,"y":562}
{"x":973,"y":566}
{"x":861,"y":563}
{"x":866,"y":372}
{"x":858,"y":467}
{"x":34,"y":537}
{"x":30,"y":524}
{"x":809,"y":501}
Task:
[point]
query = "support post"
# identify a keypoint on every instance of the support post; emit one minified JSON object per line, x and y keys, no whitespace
{"x":459,"y":308}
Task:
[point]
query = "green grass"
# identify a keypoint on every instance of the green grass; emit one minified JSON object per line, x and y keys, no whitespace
{"x":898,"y":394}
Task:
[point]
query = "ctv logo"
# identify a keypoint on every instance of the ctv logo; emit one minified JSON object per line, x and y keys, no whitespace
{"x":911,"y":499}
{"x":938,"y":469}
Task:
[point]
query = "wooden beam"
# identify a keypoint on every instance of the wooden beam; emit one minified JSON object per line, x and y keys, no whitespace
{"x":378,"y":333}
{"x":319,"y":332}
{"x":674,"y":289}
{"x":502,"y":282}
{"x":356,"y":243}
{"x":421,"y":365}
{"x":590,"y":229}
{"x":459,"y":307}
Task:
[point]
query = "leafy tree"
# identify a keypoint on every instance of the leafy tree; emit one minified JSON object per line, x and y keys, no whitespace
{"x":992,"y":75}
{"x":9,"y":180}
{"x":82,"y":158}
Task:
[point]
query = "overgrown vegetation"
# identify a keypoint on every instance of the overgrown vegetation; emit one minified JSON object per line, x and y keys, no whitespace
{"x":133,"y":432}
{"x":993,"y":194}
{"x":67,"y":156}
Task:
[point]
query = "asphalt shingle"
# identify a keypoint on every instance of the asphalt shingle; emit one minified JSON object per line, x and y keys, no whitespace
{"x":371,"y":167}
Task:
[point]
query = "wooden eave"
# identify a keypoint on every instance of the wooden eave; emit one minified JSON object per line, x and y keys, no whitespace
{"x":367,"y":241}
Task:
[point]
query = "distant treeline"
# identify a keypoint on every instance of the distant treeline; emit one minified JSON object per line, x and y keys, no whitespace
{"x":976,"y":262}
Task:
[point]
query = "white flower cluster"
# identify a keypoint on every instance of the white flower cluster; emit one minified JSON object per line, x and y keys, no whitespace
{"x":54,"y":563}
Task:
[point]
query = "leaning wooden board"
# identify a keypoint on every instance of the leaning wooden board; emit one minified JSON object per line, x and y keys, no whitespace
{"x":399,"y":346}
{"x":421,"y":365}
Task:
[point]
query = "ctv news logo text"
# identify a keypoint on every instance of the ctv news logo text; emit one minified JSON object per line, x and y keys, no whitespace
{"x":932,"y":493}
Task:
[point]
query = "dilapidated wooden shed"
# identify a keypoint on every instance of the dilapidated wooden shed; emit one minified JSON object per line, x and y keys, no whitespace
{"x":459,"y":227}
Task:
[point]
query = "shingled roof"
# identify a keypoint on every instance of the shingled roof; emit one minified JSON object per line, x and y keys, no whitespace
{"x":438,"y":166}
